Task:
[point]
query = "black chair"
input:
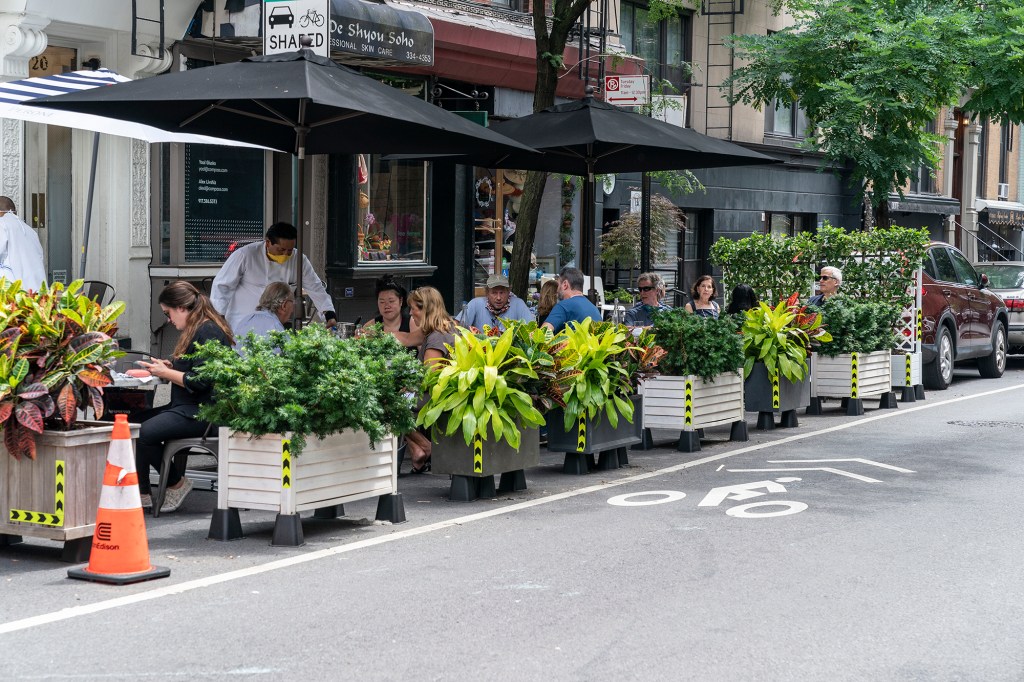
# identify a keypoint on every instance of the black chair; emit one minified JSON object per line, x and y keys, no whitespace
{"x":207,"y":444}
{"x":101,"y":292}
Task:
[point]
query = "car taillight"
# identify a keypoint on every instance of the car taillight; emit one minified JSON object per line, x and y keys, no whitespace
{"x":1014,"y":304}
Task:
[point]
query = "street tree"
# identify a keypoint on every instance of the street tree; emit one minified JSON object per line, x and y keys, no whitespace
{"x":871,"y":74}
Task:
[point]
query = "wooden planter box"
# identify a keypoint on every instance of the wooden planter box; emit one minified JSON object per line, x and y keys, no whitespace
{"x":767,"y":395}
{"x":689,"y":404}
{"x":261,"y":473}
{"x":854,"y":376}
{"x":906,"y":376}
{"x":55,"y":496}
{"x":473,"y":469}
{"x":594,"y":436}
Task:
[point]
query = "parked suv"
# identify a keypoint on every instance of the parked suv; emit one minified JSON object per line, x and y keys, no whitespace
{"x":963,"y":320}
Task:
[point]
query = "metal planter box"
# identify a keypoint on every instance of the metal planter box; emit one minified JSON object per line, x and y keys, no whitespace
{"x":55,"y":496}
{"x":452,"y":456}
{"x":594,"y":436}
{"x":763,"y":393}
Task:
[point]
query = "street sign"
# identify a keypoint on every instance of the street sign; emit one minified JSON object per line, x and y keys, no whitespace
{"x":286,"y":21}
{"x":627,"y":91}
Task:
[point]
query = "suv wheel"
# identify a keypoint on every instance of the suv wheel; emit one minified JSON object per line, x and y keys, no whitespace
{"x":991,"y":366}
{"x":938,"y":374}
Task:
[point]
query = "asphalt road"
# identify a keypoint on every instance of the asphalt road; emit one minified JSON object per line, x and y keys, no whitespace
{"x":896,"y":558}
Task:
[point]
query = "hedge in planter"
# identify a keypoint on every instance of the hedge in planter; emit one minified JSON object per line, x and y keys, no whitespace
{"x":856,"y":363}
{"x":776,"y":342}
{"x":478,"y":407}
{"x":310,"y":384}
{"x":699,"y":383}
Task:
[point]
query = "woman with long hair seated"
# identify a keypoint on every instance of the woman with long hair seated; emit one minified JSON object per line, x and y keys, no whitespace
{"x":548,"y":299}
{"x":439,"y":328}
{"x":194,"y":316}
{"x":393,"y":316}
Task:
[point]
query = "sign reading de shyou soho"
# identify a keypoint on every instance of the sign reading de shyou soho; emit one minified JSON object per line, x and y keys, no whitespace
{"x":381,"y":31}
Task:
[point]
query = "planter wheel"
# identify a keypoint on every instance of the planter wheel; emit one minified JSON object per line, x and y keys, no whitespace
{"x":225,"y":525}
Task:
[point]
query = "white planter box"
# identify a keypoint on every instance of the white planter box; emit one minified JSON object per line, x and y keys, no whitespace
{"x":261,"y":473}
{"x":906,"y":370}
{"x":688,"y":403}
{"x":836,"y":378}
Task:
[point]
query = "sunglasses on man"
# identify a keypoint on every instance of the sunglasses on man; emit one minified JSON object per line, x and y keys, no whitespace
{"x":645,"y":289}
{"x":824,"y":277}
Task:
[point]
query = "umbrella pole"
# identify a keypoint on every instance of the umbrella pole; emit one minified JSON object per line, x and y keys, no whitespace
{"x":645,"y":222}
{"x":589,"y":245}
{"x":88,"y":203}
{"x":298,"y":315}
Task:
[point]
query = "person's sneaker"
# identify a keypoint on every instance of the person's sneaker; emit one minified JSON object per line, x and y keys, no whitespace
{"x":147,"y":500}
{"x":173,"y":497}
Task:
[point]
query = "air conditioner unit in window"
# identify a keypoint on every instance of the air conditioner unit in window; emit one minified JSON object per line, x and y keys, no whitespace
{"x":1003,"y":191}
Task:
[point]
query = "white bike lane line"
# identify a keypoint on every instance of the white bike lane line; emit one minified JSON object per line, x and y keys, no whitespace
{"x":160,"y":592}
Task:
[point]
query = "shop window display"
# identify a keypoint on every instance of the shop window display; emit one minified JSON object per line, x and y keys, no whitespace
{"x":391,"y":210}
{"x":496,"y":204}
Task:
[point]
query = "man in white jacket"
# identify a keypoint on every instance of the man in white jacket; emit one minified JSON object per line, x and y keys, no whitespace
{"x":21,"y":254}
{"x":238,"y":286}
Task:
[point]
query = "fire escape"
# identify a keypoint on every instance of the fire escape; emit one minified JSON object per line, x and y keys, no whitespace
{"x":592,"y":30}
{"x":720,"y":62}
{"x":156,"y":6}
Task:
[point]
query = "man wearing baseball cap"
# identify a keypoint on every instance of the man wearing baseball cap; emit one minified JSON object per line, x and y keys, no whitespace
{"x":498,"y":305}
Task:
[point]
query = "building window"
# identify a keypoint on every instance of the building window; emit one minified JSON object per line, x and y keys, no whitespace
{"x":391,"y":210}
{"x":1005,"y":147}
{"x":921,"y":179}
{"x":664,"y":45}
{"x":788,"y":224}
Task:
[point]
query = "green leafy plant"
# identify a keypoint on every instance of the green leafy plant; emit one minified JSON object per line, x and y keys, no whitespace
{"x":696,"y":345}
{"x":55,"y":350}
{"x":309,"y":382}
{"x":780,"y":337}
{"x":859,"y":326}
{"x":540,"y":351}
{"x":596,"y":377}
{"x":618,"y":296}
{"x":621,"y":244}
{"x":480,"y":390}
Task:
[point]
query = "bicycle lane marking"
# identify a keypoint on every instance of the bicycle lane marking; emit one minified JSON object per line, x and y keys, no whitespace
{"x":158,"y":593}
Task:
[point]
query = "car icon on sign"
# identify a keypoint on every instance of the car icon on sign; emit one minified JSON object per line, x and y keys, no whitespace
{"x":282,"y":15}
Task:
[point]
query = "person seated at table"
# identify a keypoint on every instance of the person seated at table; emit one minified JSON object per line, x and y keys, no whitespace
{"x":574,"y":306}
{"x":439,"y":329}
{"x":496,"y":306}
{"x":702,"y":297}
{"x":652,"y":290}
{"x":548,"y":300}
{"x":743,"y":299}
{"x":394,"y":316}
{"x":828,"y":285}
{"x":194,"y":316}
{"x":275,"y":308}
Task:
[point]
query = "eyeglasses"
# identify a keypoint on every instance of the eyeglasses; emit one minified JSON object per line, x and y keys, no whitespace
{"x":645,"y":289}
{"x":824,"y":277}
{"x":167,"y":314}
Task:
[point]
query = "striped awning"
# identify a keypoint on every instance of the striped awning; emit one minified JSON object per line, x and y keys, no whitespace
{"x":13,"y":95}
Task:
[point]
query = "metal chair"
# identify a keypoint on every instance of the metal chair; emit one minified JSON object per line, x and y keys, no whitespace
{"x":204,"y":445}
{"x":101,"y":292}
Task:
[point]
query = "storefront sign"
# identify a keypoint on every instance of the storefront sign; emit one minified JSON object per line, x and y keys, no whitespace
{"x":380,"y":31}
{"x":1008,"y":217}
{"x":223,"y":200}
{"x":285,"y":22}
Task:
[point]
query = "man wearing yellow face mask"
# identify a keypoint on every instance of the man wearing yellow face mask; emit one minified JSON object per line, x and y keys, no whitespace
{"x":238,"y":286}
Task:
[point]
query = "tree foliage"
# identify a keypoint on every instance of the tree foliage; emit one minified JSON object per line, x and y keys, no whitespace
{"x":871,"y":74}
{"x":622,"y":242}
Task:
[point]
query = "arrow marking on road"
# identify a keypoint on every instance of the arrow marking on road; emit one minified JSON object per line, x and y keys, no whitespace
{"x":842,"y":459}
{"x":830,"y":470}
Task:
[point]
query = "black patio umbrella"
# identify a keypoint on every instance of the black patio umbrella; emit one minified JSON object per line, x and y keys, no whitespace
{"x":588,"y":137}
{"x":296,"y":102}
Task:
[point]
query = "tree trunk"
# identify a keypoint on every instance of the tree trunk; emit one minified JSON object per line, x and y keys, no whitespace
{"x":882,"y":214}
{"x":550,"y":49}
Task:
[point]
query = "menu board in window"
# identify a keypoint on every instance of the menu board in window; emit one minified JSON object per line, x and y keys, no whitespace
{"x":224,"y":198}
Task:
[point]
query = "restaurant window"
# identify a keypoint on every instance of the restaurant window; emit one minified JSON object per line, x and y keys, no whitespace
{"x":211,"y":200}
{"x":788,"y":224}
{"x":391,"y":213}
{"x":921,"y":180}
{"x":665,"y":45}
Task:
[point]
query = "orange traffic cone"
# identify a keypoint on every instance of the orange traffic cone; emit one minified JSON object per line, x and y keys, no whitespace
{"x":120,"y":552}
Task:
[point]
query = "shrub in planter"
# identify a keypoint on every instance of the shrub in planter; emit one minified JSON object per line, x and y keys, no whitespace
{"x":781,"y":337}
{"x":694,"y":345}
{"x":56,"y":346}
{"x":310,"y":382}
{"x":859,"y":326}
{"x":596,"y":378}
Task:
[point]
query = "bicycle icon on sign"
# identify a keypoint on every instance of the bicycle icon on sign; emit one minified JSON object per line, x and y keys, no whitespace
{"x":311,"y":17}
